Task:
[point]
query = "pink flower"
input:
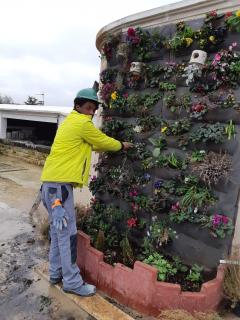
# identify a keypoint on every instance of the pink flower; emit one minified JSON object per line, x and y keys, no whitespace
{"x":225,"y":219}
{"x":125,"y":95}
{"x":213,"y":13}
{"x":175,"y":207}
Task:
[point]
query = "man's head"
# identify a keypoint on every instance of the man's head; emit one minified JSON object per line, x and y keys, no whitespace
{"x":86,"y":101}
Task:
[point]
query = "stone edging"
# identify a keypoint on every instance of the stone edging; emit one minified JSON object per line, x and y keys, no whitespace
{"x":139,"y":289}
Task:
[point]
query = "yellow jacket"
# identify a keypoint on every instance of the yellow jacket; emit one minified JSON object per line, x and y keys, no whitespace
{"x":70,"y":157}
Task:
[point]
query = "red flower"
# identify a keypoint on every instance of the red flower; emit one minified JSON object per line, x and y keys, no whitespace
{"x":132,"y":222}
{"x":228,"y":14}
{"x":198,"y":107}
{"x":131,"y":32}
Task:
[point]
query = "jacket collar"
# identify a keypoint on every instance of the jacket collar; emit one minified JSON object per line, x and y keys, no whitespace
{"x":82,"y":115}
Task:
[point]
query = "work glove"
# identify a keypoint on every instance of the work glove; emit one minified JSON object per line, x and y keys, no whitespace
{"x":59,"y":215}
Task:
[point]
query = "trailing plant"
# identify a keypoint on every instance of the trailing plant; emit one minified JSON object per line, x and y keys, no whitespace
{"x":208,"y":133}
{"x":212,"y":167}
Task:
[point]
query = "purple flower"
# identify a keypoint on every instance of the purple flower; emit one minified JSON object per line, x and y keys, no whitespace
{"x":158,"y":184}
{"x":216,"y":220}
{"x":147,"y":176}
{"x":94,"y":178}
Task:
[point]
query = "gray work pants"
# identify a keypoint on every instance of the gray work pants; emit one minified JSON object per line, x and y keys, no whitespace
{"x":63,"y":247}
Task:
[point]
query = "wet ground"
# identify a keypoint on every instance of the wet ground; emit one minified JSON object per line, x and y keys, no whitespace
{"x":23,"y":295}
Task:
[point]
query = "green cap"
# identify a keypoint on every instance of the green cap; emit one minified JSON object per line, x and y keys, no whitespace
{"x":88,"y":93}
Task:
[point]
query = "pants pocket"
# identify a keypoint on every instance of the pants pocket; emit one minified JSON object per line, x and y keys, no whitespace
{"x":73,"y":246}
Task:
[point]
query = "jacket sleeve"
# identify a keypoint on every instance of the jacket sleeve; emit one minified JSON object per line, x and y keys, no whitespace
{"x":99,"y":140}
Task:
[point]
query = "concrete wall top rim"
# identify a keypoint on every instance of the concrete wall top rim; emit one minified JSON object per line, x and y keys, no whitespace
{"x":184,"y":10}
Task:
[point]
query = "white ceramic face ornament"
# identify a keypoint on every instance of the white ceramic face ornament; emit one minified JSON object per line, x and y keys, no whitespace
{"x":199,"y":57}
{"x":136,"y":68}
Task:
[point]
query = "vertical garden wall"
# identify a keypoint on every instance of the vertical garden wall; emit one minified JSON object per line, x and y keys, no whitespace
{"x":171,"y":201}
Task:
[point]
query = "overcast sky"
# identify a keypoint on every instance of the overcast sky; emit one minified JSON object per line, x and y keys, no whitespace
{"x":49,"y":45}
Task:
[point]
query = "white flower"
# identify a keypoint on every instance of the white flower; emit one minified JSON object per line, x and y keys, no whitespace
{"x":186,"y":180}
{"x":195,"y":210}
{"x":202,"y":151}
{"x":137,"y":129}
{"x":154,"y":218}
{"x":148,"y":233}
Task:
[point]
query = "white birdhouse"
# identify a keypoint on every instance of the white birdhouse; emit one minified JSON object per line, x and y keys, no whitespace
{"x":136,"y":68}
{"x":199,"y":57}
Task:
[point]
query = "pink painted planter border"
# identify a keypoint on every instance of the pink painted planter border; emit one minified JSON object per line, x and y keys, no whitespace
{"x":139,"y":289}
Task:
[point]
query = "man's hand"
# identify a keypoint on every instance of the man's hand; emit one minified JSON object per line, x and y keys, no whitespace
{"x":59,"y":216}
{"x":127,"y":145}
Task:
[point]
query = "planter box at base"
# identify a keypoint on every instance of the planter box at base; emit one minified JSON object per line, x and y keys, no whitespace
{"x":139,"y":289}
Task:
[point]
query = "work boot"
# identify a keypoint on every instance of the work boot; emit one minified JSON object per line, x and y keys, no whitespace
{"x":55,"y":280}
{"x":86,"y":290}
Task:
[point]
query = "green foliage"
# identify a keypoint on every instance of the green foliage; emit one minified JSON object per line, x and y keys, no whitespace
{"x":193,"y":194}
{"x":230,"y":130}
{"x":159,"y":145}
{"x":208,"y":133}
{"x":195,"y":274}
{"x":197,"y":155}
{"x":233,"y":22}
{"x":166,"y":86}
{"x":164,"y":268}
{"x":183,"y":37}
{"x":148,"y":123}
{"x":170,"y":161}
{"x":177,"y":104}
{"x":177,"y":127}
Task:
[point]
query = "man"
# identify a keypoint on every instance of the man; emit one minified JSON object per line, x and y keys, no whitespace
{"x":66,"y":167}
